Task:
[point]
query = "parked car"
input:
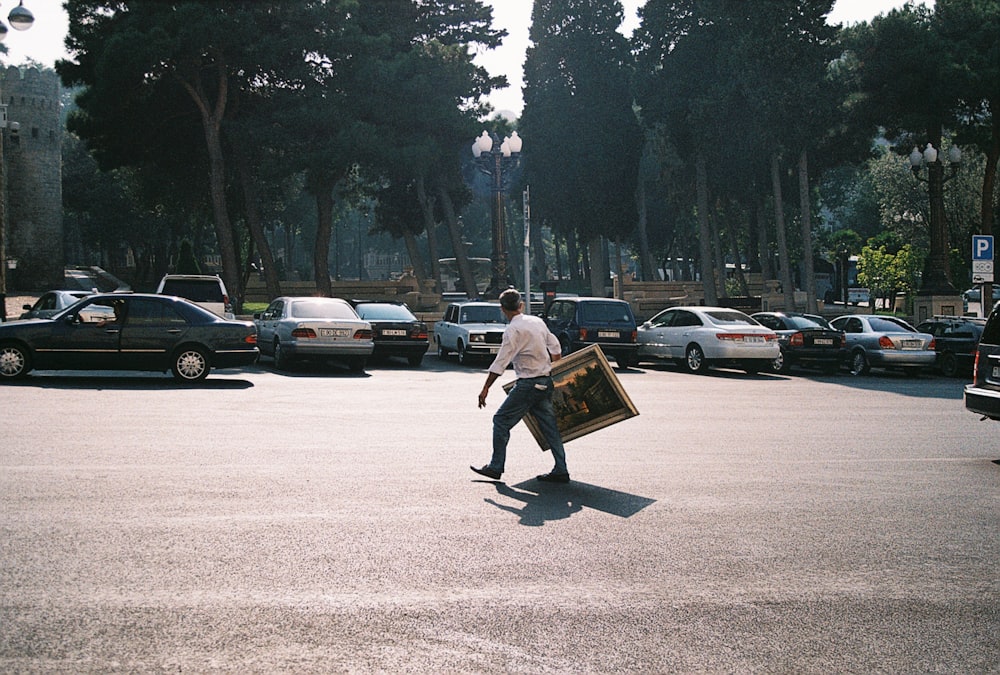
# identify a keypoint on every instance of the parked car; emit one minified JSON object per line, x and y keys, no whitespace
{"x":115,"y":331}
{"x":51,"y":303}
{"x":579,"y":322}
{"x":805,"y":340}
{"x":983,"y":395}
{"x":955,"y":340}
{"x":703,"y":337}
{"x":396,"y":331}
{"x":875,"y":341}
{"x":297,"y":328}
{"x":473,"y":330}
{"x":206,"y":290}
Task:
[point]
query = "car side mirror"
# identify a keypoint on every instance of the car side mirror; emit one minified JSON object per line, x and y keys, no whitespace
{"x":256,"y":315}
{"x":25,"y":306}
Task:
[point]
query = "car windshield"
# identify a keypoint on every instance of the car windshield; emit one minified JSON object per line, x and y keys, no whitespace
{"x":482,"y":314}
{"x":730,"y":318}
{"x":604,"y":312}
{"x":801,"y":322}
{"x":384,"y":311}
{"x":886,"y":324}
{"x":321,"y":309}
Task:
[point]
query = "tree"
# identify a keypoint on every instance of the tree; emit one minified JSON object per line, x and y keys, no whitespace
{"x":585,"y":141}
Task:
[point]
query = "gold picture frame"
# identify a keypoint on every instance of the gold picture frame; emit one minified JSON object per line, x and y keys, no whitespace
{"x":587,"y":396}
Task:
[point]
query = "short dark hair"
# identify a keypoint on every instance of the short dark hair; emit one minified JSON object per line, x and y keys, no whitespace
{"x":510,"y":299}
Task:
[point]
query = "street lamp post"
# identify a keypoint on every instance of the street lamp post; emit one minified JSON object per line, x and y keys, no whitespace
{"x":936,"y":295}
{"x":498,"y":159}
{"x":20,"y":19}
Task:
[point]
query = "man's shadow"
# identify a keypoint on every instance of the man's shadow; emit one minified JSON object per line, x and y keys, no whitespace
{"x":552,"y":501}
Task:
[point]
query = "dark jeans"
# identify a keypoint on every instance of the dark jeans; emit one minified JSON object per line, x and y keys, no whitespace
{"x":529,"y":395}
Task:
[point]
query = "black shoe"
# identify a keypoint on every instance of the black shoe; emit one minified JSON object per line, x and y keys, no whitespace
{"x":553,"y":477}
{"x":489,"y":473}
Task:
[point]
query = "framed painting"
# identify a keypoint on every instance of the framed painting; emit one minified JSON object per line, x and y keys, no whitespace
{"x":587,"y":396}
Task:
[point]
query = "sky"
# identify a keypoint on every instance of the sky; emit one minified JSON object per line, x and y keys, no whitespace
{"x":44,"y":41}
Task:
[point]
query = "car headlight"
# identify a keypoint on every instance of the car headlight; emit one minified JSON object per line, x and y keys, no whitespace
{"x":477,"y":337}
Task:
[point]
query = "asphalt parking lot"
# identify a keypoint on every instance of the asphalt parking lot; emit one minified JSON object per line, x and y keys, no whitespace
{"x":319,"y":521}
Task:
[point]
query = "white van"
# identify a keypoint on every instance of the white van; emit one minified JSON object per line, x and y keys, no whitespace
{"x":205,"y":290}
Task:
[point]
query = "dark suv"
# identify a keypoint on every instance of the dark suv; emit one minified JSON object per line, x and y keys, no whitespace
{"x":579,"y":322}
{"x":983,"y":395}
{"x":955,"y":340}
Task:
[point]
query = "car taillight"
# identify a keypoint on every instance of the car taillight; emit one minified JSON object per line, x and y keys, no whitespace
{"x":418,"y":333}
{"x":251,"y":339}
{"x":932,"y":345}
{"x":797,"y":340}
{"x":885,"y":343}
{"x":635,"y":335}
{"x":843,"y":340}
{"x":303,"y":333}
{"x":583,"y":335}
{"x":363,"y":334}
{"x":975,"y":370}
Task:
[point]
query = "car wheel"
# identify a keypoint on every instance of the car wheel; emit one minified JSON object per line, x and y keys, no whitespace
{"x":463,"y":357}
{"x":859,"y":364}
{"x":281,"y":359}
{"x":780,"y":364}
{"x":15,"y":361}
{"x":190,"y":364}
{"x":415,"y":361}
{"x":949,"y":364}
{"x":442,"y":352}
{"x":694,"y":359}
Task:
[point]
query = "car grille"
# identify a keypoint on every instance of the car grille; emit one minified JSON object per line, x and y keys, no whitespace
{"x":494,"y":338}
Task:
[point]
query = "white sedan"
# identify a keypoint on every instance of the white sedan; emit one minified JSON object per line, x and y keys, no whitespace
{"x":701,"y":337}
{"x":299,"y":328}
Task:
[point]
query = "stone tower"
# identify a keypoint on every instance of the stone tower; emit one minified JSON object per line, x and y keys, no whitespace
{"x":32,"y":157}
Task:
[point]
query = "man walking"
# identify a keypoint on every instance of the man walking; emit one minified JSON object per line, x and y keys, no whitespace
{"x":528,"y":344}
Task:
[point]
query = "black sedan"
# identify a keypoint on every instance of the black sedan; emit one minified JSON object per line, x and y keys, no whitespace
{"x":115,"y":331}
{"x":397,"y":331}
{"x":805,"y":340}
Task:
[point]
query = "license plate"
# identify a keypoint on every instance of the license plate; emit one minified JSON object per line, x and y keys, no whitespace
{"x":334,"y":332}
{"x":394,"y":332}
{"x":912,"y":344}
{"x":996,"y":372}
{"x":607,"y":334}
{"x":753,"y":338}
{"x":823,"y":341}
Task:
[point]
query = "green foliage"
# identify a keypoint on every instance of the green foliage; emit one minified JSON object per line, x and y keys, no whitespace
{"x":187,"y":262}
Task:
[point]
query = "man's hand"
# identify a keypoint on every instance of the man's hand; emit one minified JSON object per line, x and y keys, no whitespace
{"x":482,"y":397}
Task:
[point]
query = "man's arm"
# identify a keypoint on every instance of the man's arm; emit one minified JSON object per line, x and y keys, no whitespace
{"x":490,"y":379}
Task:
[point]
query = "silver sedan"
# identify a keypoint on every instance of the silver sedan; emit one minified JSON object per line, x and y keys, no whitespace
{"x":299,"y":328}
{"x":875,"y":341}
{"x":701,"y":337}
{"x":51,"y":303}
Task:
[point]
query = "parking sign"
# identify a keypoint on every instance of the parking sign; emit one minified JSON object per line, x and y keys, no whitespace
{"x":982,"y":258}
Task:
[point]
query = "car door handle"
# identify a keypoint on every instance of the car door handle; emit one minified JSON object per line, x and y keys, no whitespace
{"x":173,"y":331}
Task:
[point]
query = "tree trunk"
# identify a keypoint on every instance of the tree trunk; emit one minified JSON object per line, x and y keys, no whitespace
{"x":787,"y":290}
{"x":324,"y":228}
{"x":211,"y":122}
{"x":987,"y":206}
{"x":430,"y":225}
{"x":465,"y":274}
{"x":705,"y":233}
{"x":721,"y":272}
{"x":416,"y":261}
{"x":763,"y":241}
{"x":252,"y":206}
{"x":737,"y":258}
{"x":807,"y":250}
{"x":645,"y":259}
{"x":598,"y":267}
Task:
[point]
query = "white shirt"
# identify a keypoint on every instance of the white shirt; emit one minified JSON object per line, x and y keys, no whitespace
{"x":528,"y":343}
